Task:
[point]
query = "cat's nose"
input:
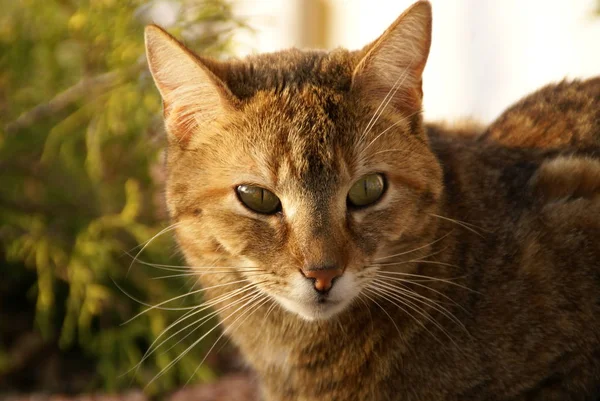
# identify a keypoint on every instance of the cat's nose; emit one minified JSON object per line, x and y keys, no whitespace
{"x":323,"y":276}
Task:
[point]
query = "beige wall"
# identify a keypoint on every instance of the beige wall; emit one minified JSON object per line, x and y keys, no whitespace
{"x":485,"y":53}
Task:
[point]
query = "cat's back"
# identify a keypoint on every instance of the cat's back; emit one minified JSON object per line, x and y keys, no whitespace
{"x":541,"y":154}
{"x":556,"y":131}
{"x":566,"y":114}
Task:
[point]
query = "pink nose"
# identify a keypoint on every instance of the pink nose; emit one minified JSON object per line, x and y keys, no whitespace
{"x":323,"y":277}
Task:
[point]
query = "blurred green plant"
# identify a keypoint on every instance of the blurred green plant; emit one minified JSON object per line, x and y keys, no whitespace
{"x":80,"y":185}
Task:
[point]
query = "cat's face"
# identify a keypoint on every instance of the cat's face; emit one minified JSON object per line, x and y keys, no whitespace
{"x":285,"y":167}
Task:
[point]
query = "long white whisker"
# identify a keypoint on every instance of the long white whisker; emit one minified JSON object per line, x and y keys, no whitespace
{"x":199,"y":309}
{"x":178,"y":358}
{"x":196,"y":274}
{"x":188,"y":268}
{"x":435,"y":262}
{"x":379,"y":108}
{"x":403,"y":119}
{"x":386,"y":100}
{"x":420,"y":298}
{"x":250,"y":311}
{"x":376,"y":290}
{"x":392,"y":299}
{"x":271,"y":308}
{"x":164,"y":230}
{"x":463,"y":224}
{"x":383,"y":309}
{"x":157,"y":306}
{"x":429,"y":278}
{"x":414,"y":308}
{"x":416,"y":249}
{"x":367,"y":308}
{"x":207,"y":317}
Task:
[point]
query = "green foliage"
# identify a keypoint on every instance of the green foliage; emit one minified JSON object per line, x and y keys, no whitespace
{"x":80,"y":181}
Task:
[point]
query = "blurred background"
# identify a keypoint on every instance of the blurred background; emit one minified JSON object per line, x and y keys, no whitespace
{"x":85,"y":245}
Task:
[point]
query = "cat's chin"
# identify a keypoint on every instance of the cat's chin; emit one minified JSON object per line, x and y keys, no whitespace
{"x":313,"y":311}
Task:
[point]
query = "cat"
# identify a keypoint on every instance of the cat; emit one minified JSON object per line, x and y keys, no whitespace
{"x":354,"y":253}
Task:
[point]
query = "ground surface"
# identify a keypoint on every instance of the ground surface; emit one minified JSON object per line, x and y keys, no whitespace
{"x":235,"y":387}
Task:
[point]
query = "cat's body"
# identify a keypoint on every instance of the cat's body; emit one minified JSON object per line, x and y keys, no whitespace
{"x":533,"y":325}
{"x":472,"y":274}
{"x":560,"y":116}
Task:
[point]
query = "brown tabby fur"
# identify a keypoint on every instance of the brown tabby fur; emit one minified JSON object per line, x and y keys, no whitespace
{"x":505,"y":224}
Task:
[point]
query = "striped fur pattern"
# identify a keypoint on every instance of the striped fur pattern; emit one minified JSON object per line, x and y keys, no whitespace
{"x":476,"y":276}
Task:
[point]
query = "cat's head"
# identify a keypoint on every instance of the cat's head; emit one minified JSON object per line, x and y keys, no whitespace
{"x":300,"y":168}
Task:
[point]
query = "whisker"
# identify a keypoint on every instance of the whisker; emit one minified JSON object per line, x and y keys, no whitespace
{"x":174,"y":268}
{"x":271,"y":308}
{"x":196,"y":274}
{"x":417,"y":283}
{"x":185,"y":352}
{"x":164,"y":230}
{"x":463,"y":224}
{"x":188,"y":268}
{"x":207,"y":317}
{"x":409,"y":303}
{"x":202,"y":320}
{"x":383,"y":309}
{"x":433,"y":262}
{"x":405,"y":292}
{"x":417,"y":249}
{"x":391,"y":297}
{"x":145,"y":303}
{"x":428,"y":278}
{"x":403,"y":119}
{"x":388,"y":150}
{"x":368,"y":310}
{"x":386,"y":100}
{"x":383,"y":104}
{"x":159,"y":305}
{"x":250,"y":311}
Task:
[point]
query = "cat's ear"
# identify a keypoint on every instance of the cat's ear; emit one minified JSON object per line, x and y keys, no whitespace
{"x":192,"y":95}
{"x":393,"y":64}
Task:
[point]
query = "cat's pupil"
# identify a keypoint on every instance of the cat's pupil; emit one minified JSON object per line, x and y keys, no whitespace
{"x":366,"y":190}
{"x":258,"y":199}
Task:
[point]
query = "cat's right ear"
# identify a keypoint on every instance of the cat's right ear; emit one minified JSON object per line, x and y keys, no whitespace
{"x":192,"y":95}
{"x":392,"y":66}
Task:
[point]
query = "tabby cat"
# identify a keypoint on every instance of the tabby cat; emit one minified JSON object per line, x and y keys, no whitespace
{"x":354,"y":253}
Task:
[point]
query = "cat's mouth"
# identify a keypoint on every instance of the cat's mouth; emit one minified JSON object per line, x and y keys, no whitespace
{"x":323,"y":299}
{"x":321,"y":308}
{"x":302,"y":299}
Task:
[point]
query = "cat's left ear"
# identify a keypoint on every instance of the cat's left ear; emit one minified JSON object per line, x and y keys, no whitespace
{"x":393,"y":64}
{"x":192,"y":95}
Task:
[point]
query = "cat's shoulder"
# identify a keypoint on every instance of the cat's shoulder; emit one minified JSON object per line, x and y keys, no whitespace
{"x":547,"y":144}
{"x":562,"y":182}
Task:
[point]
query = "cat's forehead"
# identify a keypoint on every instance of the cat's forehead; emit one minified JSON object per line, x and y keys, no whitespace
{"x":301,"y":120}
{"x":290,"y":69}
{"x":304,"y":134}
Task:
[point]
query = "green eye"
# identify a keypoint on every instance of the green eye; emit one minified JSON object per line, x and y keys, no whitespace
{"x":258,"y":199}
{"x":367,"y":190}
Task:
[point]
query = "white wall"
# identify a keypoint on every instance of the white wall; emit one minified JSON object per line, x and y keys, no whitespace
{"x":485,"y":54}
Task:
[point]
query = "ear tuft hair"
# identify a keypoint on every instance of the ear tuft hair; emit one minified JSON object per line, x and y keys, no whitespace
{"x":393,"y":64}
{"x":192,"y":95}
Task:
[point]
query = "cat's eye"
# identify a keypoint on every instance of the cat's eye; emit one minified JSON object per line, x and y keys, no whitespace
{"x":366,"y":190}
{"x":258,"y":199}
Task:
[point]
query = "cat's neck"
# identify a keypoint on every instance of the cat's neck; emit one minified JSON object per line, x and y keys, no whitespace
{"x":302,"y":354}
